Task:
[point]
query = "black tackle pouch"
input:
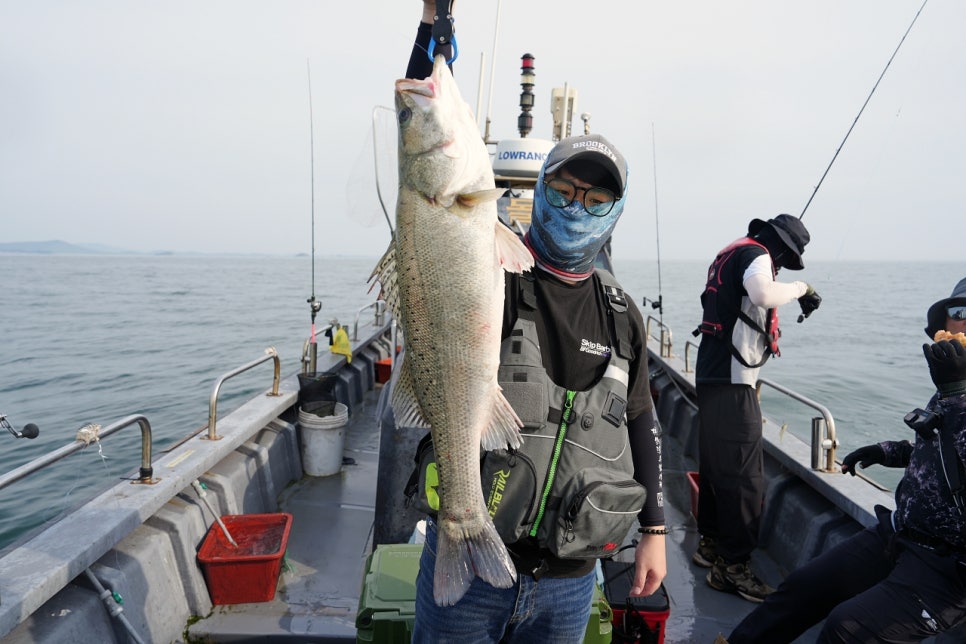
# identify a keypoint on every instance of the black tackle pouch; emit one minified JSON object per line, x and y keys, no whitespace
{"x":510,"y":491}
{"x":597,"y":509}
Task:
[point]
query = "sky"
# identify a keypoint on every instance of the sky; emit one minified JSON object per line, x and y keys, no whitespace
{"x":185,"y":126}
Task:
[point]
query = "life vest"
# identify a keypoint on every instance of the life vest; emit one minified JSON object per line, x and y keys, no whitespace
{"x":720,"y":324}
{"x":570,"y":485}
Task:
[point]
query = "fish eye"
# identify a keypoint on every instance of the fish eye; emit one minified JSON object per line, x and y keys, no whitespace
{"x":404,"y":115}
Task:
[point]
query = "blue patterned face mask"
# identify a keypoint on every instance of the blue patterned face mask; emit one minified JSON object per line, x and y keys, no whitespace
{"x":566,"y":240}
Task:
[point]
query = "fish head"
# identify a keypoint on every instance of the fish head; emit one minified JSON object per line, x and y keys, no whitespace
{"x":441,"y":152}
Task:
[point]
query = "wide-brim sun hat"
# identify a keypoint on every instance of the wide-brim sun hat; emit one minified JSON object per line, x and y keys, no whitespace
{"x":793,"y":234}
{"x":936,"y":315}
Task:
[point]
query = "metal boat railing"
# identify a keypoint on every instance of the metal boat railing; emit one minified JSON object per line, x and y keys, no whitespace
{"x":664,"y":340}
{"x":380,"y":311}
{"x":95,"y":433}
{"x":823,"y":439}
{"x":823,"y":442}
{"x":270,"y":354}
{"x":309,"y":352}
{"x":309,"y":348}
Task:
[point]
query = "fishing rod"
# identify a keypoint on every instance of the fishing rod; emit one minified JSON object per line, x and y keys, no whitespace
{"x":314,"y":305}
{"x":659,"y":304}
{"x":868,"y":98}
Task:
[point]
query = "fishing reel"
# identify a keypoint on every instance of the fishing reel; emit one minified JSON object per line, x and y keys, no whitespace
{"x":925,"y":423}
{"x":29,"y":430}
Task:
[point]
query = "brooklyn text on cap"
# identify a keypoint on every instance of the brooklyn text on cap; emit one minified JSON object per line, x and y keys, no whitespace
{"x":592,"y":147}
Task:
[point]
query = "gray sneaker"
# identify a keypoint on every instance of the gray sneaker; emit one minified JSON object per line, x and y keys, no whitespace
{"x":705,"y":555}
{"x":739,"y":579}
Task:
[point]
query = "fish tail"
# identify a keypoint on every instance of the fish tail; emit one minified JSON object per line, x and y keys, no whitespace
{"x":460,"y":557}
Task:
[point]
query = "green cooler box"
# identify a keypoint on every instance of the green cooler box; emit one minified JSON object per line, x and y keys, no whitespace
{"x":387,"y":604}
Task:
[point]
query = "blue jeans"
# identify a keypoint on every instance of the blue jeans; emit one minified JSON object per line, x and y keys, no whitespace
{"x":552,"y":610}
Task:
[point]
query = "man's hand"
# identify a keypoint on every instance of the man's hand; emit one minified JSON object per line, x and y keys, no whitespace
{"x":650,"y":565}
{"x":947,"y":365}
{"x":864,"y":456}
{"x":809,"y":303}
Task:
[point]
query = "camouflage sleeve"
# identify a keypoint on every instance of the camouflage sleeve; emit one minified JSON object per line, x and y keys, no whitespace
{"x":953,"y":410}
{"x":896,"y":453}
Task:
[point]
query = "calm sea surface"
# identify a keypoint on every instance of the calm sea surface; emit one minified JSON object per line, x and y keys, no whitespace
{"x":93,"y":339}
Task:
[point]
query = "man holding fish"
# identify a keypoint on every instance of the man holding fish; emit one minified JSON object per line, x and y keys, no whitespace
{"x":559,"y":400}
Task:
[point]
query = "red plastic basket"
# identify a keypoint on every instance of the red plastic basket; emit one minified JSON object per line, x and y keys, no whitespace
{"x":247,"y":572}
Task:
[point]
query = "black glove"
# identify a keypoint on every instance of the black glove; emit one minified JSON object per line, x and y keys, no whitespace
{"x":809,"y":303}
{"x":864,"y":456}
{"x":947,"y":365}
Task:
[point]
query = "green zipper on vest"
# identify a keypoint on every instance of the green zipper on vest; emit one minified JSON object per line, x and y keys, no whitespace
{"x":552,"y":471}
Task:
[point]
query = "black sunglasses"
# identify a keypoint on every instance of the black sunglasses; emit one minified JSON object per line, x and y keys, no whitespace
{"x":956,"y":312}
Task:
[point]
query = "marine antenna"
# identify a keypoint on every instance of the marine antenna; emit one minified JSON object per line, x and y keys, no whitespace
{"x":314,"y":305}
{"x":801,"y":216}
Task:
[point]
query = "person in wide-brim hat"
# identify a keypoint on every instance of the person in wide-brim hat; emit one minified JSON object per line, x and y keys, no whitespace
{"x":793,"y":234}
{"x":936,"y":315}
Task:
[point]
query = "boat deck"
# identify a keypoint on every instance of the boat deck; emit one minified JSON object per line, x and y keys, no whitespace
{"x":698,"y":612}
{"x":332,"y":535}
{"x":330,"y":539}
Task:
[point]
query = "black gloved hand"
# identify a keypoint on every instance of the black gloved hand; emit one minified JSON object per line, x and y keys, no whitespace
{"x":947,"y":365}
{"x":809,"y":303}
{"x":864,"y":456}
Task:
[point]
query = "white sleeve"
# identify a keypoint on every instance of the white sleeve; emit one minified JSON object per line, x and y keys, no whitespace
{"x":765,"y":292}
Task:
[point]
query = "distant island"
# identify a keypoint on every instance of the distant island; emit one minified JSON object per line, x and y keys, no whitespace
{"x":58,"y":247}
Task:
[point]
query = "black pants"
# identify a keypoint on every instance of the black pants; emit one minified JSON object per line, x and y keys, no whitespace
{"x":869,"y":588}
{"x":732,"y":482}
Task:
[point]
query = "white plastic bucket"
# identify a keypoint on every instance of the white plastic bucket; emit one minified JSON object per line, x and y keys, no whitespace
{"x":323,"y":436}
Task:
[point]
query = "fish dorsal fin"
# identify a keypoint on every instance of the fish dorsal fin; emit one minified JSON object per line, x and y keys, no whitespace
{"x":504,"y":428}
{"x":385,"y":274}
{"x":513,"y":255}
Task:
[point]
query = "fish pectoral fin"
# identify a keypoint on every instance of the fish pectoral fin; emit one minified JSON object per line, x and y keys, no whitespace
{"x":470,"y":199}
{"x":462,"y":204}
{"x":512,"y":254}
{"x":405,"y":406}
{"x":504,"y":428}
{"x":385,"y":273}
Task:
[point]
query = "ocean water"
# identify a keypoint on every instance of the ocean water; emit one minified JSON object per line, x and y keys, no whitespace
{"x":96,"y":338}
{"x":93,"y":339}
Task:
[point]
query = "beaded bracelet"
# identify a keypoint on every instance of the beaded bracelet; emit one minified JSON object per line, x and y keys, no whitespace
{"x":653,"y":530}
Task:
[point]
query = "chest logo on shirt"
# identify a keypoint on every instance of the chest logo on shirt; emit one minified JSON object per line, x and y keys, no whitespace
{"x":595,"y":348}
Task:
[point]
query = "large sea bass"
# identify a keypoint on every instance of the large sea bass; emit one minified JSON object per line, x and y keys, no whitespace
{"x":443,"y":278}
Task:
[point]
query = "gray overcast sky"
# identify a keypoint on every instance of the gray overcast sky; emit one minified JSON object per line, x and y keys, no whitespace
{"x":184,"y":126}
